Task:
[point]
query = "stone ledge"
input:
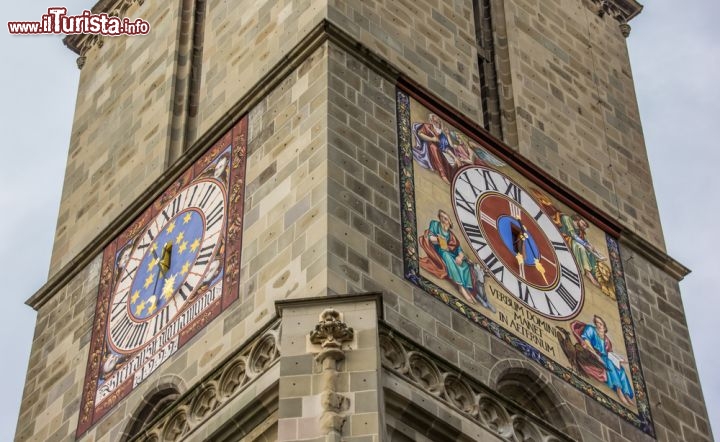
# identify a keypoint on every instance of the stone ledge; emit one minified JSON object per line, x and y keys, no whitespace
{"x":375,"y":297}
{"x":621,"y":10}
{"x":657,"y":257}
{"x":323,"y":32}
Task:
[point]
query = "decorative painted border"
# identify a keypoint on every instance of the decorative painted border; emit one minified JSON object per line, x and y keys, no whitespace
{"x":643,"y":419}
{"x":236,"y":140}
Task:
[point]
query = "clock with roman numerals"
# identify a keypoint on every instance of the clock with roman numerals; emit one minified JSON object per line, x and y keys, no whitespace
{"x":517,"y":242}
{"x":171,"y":262}
{"x":167,"y":276}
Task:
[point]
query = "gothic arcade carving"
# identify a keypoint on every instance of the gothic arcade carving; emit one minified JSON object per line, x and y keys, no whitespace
{"x":479,"y":403}
{"x":194,"y":408}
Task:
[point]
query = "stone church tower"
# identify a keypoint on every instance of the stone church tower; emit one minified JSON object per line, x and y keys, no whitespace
{"x":360,"y":220}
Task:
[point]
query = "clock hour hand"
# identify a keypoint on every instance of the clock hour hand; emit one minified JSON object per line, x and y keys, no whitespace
{"x":163,"y":263}
{"x":541,"y":269}
{"x":165,"y":260}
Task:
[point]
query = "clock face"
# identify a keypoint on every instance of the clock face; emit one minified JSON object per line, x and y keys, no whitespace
{"x":172,"y":260}
{"x":517,"y":242}
{"x":168,"y":275}
{"x":538,"y":269}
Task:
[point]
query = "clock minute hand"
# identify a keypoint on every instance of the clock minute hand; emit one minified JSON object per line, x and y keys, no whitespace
{"x":519,"y":256}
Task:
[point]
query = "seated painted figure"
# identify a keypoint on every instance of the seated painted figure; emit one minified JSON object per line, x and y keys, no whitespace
{"x":594,"y":338}
{"x":445,"y":260}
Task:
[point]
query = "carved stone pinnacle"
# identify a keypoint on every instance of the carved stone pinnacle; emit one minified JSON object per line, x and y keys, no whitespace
{"x":330,"y":332}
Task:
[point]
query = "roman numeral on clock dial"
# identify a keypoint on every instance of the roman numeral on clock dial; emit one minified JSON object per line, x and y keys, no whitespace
{"x":513,"y":238}
{"x":171,"y":259}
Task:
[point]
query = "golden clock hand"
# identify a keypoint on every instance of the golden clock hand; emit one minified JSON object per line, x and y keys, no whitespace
{"x":540,"y":268}
{"x":156,"y":281}
{"x":520,"y":244}
{"x":534,"y":253}
{"x":165,"y":261}
{"x":163,"y":264}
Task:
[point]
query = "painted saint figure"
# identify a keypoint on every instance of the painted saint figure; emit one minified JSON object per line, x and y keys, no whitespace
{"x":594,"y":338}
{"x":444,"y":150}
{"x":463,"y":153}
{"x":574,"y":227}
{"x":574,"y":230}
{"x":433,"y":149}
{"x":445,"y":260}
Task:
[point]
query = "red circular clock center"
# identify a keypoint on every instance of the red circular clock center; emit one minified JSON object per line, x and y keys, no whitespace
{"x":517,"y":240}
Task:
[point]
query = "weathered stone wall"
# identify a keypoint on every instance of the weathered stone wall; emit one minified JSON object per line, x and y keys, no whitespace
{"x":243,"y":41}
{"x":363,"y":204}
{"x":120,"y":133}
{"x":365,"y":254}
{"x":669,"y":366}
{"x":123,"y":124}
{"x":51,"y":399}
{"x":575,"y":110}
{"x":430,"y":41}
{"x":284,"y":242}
{"x":284,"y":255}
{"x":318,"y":383}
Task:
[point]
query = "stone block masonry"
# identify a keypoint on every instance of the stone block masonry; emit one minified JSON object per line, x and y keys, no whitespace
{"x":284,"y":256}
{"x":330,"y":369}
{"x":317,"y":82}
{"x":577,"y":116}
{"x":120,"y":134}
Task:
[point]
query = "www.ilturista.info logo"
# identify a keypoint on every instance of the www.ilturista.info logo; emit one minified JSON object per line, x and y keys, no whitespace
{"x":56,"y":21}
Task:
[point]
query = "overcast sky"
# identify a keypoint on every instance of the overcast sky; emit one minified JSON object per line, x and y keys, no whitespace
{"x":676,"y":65}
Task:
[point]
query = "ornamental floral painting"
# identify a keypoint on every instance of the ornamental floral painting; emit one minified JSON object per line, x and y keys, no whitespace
{"x":489,"y":241}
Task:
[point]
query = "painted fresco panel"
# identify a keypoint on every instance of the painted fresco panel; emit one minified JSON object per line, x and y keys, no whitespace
{"x":167,"y":276}
{"x":490,"y":243}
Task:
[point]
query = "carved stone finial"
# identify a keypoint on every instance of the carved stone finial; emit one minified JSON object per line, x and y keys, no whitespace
{"x":625,"y":29}
{"x":331,"y":333}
